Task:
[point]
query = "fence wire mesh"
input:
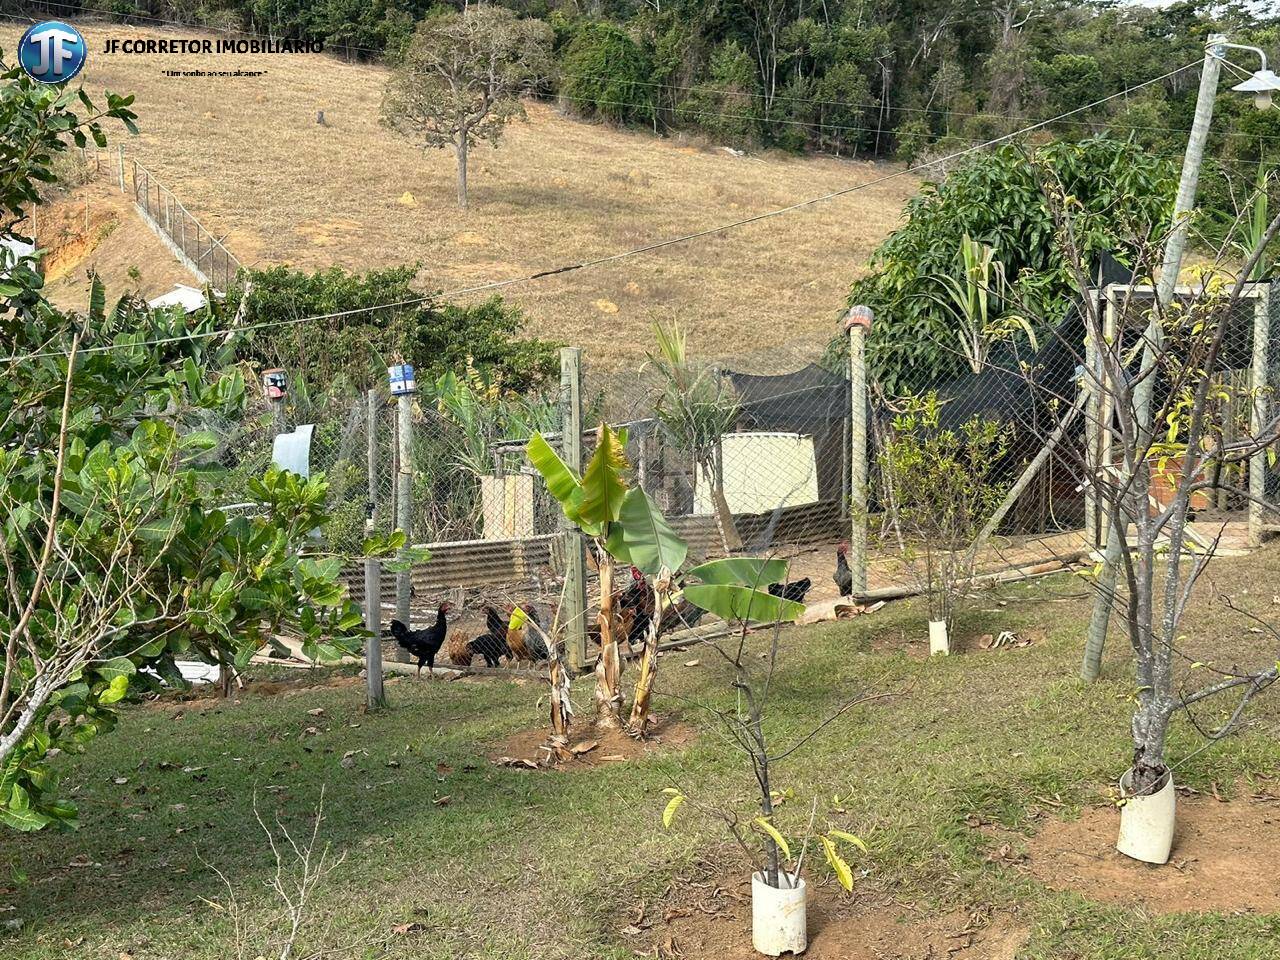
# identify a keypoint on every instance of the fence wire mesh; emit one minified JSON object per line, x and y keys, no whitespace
{"x":752,"y":455}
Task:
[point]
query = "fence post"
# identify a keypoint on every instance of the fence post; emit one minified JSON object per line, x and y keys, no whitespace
{"x":120,"y":161}
{"x":376,"y":695}
{"x":404,"y":499}
{"x":1258,"y":410}
{"x":858,"y":323}
{"x":575,"y":567}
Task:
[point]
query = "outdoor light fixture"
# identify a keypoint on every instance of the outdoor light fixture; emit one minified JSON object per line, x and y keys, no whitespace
{"x":1263,"y":84}
{"x":274,"y":384}
{"x":400,"y":379}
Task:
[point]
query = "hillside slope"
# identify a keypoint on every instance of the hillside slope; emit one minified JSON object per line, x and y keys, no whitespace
{"x":247,"y":155}
{"x":93,"y":228}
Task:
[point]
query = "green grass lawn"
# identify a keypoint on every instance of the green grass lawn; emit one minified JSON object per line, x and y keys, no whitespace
{"x":520,"y":864}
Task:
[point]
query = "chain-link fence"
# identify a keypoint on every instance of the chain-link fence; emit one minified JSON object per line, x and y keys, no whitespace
{"x":753,"y":458}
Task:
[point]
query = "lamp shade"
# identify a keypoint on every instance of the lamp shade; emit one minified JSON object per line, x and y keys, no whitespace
{"x":1263,"y":85}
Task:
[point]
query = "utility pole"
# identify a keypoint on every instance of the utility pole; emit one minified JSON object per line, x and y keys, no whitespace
{"x":858,"y":322}
{"x":574,"y":614}
{"x":1116,"y":537}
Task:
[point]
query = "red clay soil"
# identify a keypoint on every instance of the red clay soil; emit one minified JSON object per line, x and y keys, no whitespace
{"x":714,"y":923}
{"x":588,"y":746}
{"x":1225,"y":856}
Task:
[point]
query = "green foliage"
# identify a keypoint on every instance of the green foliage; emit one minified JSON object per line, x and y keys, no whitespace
{"x":436,"y":338}
{"x":103,"y":454}
{"x":726,"y":104}
{"x":941,"y":482}
{"x":643,"y":538}
{"x":628,"y":525}
{"x":996,"y":198}
{"x":605,"y":74}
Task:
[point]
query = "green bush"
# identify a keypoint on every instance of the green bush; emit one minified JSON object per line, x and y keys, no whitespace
{"x":435,"y":337}
{"x":728,"y":103}
{"x":606,"y":74}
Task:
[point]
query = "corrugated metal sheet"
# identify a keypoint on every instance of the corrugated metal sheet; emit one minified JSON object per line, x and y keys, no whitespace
{"x":479,"y":563}
{"x":471,"y":563}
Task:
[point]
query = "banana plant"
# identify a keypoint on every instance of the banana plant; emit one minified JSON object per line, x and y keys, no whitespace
{"x":626,"y":526}
{"x":976,"y":297}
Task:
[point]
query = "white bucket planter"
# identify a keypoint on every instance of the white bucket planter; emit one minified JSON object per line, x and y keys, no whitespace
{"x":1146,"y":823}
{"x":778,"y":922}
{"x":939,"y":642}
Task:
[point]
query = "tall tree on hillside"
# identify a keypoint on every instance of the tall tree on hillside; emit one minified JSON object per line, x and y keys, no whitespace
{"x":461,"y":78}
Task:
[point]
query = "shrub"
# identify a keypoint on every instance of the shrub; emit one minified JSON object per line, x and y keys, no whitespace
{"x":435,"y":337}
{"x":606,"y":74}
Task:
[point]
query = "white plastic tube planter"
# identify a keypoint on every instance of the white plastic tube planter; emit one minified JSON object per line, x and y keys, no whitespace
{"x":778,"y":921}
{"x":939,"y":642}
{"x":1146,"y":822}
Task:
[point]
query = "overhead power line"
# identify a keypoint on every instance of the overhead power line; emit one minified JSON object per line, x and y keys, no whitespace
{"x":612,"y":258}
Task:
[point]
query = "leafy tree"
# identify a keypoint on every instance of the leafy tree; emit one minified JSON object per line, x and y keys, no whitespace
{"x":114,"y":554}
{"x":995,"y":198}
{"x":727,"y":103}
{"x":436,"y":338}
{"x":461,"y":78}
{"x":606,"y":74}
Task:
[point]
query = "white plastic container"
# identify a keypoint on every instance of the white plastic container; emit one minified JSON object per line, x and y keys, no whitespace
{"x":778,"y":921}
{"x":939,"y":642}
{"x":1146,"y":823}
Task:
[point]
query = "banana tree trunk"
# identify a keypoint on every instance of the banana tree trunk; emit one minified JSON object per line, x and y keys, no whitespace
{"x":609,"y":699}
{"x":561,"y":706}
{"x":648,"y":670}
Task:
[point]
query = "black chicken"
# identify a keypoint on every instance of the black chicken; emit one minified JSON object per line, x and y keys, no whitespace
{"x":794,"y":590}
{"x":423,"y":645}
{"x":843,"y":575}
{"x":490,"y":646}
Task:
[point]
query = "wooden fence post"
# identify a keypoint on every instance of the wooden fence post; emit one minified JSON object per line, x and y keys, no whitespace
{"x":375,"y":693}
{"x":858,"y":323}
{"x":1258,"y":410}
{"x":120,"y":163}
{"x":404,"y":500}
{"x":575,"y":567}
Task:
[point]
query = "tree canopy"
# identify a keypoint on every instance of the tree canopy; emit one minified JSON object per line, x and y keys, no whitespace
{"x":116,"y":555}
{"x":461,"y":76}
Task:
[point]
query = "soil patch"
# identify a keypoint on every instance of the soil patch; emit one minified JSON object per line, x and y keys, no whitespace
{"x":713,"y":922}
{"x":1224,"y":858}
{"x":589,"y":746}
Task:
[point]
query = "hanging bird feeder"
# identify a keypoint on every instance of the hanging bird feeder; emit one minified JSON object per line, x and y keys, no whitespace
{"x":401,"y":380}
{"x":275,"y":383}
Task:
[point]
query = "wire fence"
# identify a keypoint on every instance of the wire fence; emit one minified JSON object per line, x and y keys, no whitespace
{"x":745,"y":458}
{"x":193,"y":243}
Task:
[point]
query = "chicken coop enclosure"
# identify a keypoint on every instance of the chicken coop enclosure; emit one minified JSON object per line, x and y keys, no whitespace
{"x":761,"y":460}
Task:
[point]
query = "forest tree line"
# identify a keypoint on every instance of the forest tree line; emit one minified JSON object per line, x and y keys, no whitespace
{"x":904,"y":79}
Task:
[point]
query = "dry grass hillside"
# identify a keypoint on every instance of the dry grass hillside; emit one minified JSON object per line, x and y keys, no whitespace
{"x":247,"y":155}
{"x":94,"y":228}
